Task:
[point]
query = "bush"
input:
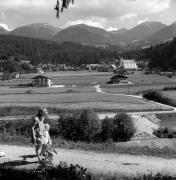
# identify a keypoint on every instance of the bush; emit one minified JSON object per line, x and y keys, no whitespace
{"x":153,"y":95}
{"x":81,"y":126}
{"x":107,"y":129}
{"x":60,"y":172}
{"x":123,"y":127}
{"x":158,"y":97}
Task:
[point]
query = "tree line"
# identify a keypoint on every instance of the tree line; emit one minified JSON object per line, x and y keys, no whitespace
{"x":161,"y":57}
{"x":43,"y":51}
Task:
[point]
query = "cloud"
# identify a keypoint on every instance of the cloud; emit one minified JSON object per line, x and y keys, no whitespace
{"x":96,"y":22}
{"x":15,"y":4}
{"x":142,"y":20}
{"x":5,"y":26}
{"x":128,"y":16}
{"x":111,"y":29}
{"x":101,"y":13}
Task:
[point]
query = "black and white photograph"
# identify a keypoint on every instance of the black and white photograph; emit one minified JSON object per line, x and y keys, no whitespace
{"x":88,"y":89}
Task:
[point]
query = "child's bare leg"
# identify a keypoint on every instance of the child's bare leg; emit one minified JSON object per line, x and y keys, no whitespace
{"x":37,"y":149}
{"x":42,"y":150}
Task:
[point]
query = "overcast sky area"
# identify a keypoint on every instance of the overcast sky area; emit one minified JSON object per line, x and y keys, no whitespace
{"x":107,"y":14}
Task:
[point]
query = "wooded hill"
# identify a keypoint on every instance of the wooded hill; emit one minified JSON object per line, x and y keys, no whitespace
{"x":162,"y":57}
{"x":44,"y":51}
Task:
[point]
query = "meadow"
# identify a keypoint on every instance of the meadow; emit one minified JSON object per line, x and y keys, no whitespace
{"x":78,"y":92}
{"x":141,"y":82}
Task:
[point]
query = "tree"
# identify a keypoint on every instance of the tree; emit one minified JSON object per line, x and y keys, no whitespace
{"x":64,"y":5}
{"x":123,"y":127}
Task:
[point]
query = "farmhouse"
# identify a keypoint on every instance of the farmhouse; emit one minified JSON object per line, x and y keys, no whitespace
{"x":128,"y":64}
{"x":118,"y":78}
{"x":42,"y":81}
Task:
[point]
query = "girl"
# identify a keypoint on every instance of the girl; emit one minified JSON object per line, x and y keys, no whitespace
{"x":38,"y":131}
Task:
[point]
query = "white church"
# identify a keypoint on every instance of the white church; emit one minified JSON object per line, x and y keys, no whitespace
{"x":128,"y":64}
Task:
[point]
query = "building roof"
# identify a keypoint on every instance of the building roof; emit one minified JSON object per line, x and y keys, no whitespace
{"x":40,"y":76}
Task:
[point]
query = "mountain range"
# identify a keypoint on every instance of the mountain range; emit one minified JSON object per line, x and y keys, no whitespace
{"x":141,"y":36}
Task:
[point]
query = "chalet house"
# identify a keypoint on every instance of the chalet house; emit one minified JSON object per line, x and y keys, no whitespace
{"x":128,"y":64}
{"x":14,"y":75}
{"x":118,"y":78}
{"x":42,"y":81}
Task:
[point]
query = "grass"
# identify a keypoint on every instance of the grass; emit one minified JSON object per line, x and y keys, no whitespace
{"x":65,"y":78}
{"x":71,"y":172}
{"x":171,"y":96}
{"x":71,"y":98}
{"x":167,"y":120}
{"x":150,"y":149}
{"x":131,"y":89}
{"x":44,"y":90}
{"x":118,"y":148}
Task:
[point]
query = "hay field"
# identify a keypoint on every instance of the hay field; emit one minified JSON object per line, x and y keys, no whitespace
{"x":142,"y":82}
{"x":81,"y":95}
{"x":64,"y":78}
{"x":75,"y":98}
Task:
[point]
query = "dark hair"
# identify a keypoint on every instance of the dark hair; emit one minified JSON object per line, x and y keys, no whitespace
{"x":41,"y":112}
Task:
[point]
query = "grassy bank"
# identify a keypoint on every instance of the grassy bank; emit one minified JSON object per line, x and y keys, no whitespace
{"x":72,"y":172}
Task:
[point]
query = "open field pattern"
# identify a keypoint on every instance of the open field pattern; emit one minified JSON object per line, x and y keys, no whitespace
{"x":132,"y":89}
{"x":45,"y":90}
{"x":63,"y":74}
{"x":79,"y":101}
{"x":140,"y":78}
{"x":83,"y":95}
{"x":89,"y":78}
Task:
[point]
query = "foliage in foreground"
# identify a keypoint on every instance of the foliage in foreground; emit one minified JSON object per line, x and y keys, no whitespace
{"x":60,"y":172}
{"x":72,"y":172}
{"x":80,"y":126}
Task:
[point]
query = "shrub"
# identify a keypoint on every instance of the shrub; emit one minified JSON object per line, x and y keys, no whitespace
{"x":153,"y":95}
{"x":60,"y":172}
{"x":170,"y":136}
{"x":107,"y":129}
{"x":29,"y":91}
{"x":80,"y":126}
{"x":158,"y":97}
{"x":123,"y":127}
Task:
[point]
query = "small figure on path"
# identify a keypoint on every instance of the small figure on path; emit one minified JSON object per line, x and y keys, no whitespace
{"x":38,"y":131}
{"x":46,"y":139}
{"x":47,"y":150}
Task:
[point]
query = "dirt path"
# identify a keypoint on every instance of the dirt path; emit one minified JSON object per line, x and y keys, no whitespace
{"x":95,"y":162}
{"x":169,"y":109}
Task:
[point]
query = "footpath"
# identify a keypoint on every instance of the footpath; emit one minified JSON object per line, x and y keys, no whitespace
{"x":127,"y":165}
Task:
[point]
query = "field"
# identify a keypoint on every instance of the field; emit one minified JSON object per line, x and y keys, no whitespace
{"x":79,"y":92}
{"x":142,"y":83}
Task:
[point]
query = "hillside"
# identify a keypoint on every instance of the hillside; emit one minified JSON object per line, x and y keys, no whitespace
{"x":162,"y":56}
{"x":141,"y":36}
{"x":92,"y":35}
{"x":142,"y":31}
{"x":3,"y":30}
{"x":164,"y":34}
{"x":83,"y":34}
{"x":37,"y":30}
{"x":44,"y":51}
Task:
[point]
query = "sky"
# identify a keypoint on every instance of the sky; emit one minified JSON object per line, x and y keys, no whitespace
{"x":107,"y":14}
